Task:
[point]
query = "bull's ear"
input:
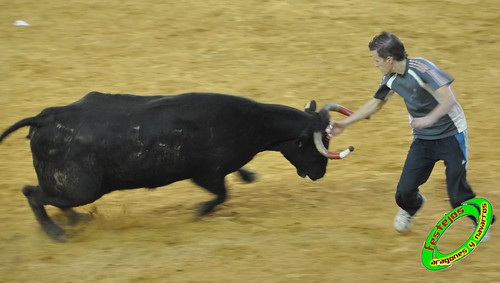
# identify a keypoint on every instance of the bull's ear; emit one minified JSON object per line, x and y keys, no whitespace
{"x":310,"y":106}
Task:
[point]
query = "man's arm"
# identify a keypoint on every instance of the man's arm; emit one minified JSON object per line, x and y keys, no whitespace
{"x":364,"y":112}
{"x":446,"y":99}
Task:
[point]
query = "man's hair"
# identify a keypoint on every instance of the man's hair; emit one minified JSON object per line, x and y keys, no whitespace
{"x":387,"y":44}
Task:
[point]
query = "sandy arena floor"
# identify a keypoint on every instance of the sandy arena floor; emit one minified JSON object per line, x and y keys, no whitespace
{"x":281,"y":228}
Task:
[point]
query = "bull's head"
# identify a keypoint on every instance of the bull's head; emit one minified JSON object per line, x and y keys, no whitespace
{"x":309,"y":158}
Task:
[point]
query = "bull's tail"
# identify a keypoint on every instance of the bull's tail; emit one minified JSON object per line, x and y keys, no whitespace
{"x":32,"y":121}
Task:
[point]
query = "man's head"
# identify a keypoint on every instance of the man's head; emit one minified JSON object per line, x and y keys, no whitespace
{"x":387,"y":49}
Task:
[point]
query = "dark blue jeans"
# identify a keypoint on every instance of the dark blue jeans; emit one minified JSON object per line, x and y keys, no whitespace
{"x":420,"y":161}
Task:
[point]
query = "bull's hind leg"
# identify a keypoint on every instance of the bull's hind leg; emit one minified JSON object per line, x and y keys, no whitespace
{"x":215,"y":186}
{"x":34,"y":194}
{"x":37,"y":198}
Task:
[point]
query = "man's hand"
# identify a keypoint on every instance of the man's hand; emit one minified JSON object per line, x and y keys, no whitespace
{"x":446,"y":100}
{"x":335,"y":128}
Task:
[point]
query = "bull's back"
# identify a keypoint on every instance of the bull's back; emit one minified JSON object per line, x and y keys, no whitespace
{"x":187,"y":101}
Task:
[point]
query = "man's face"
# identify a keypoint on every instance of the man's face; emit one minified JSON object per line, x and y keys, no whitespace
{"x":383,"y":64}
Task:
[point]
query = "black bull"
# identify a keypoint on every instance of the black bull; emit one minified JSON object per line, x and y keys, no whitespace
{"x":106,"y":142}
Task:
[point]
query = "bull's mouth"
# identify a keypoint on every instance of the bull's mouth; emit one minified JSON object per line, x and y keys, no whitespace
{"x":314,"y":178}
{"x":304,"y":174}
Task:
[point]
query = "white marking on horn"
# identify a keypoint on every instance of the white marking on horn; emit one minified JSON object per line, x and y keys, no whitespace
{"x":346,"y":152}
{"x":322,"y":149}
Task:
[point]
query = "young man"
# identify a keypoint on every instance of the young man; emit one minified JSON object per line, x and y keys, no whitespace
{"x":437,"y":119}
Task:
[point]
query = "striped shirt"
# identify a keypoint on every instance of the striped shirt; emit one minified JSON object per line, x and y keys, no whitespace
{"x":417,"y":87}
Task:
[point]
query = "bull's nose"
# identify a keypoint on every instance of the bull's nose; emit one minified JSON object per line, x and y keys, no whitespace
{"x":301,"y":174}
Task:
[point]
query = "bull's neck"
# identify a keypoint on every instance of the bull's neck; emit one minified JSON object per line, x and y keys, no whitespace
{"x":282,"y":122}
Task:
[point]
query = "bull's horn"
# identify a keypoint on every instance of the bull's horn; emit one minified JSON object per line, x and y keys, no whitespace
{"x":337,"y":108}
{"x":330,"y":155}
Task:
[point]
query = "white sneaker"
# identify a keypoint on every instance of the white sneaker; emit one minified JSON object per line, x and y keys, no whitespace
{"x":486,"y":237}
{"x":404,"y":220}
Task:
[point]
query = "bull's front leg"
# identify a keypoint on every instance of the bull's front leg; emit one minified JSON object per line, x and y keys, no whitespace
{"x":247,"y":175}
{"x":216,"y":186}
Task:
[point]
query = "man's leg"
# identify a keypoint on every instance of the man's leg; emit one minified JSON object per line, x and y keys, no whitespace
{"x":453,"y":151}
{"x":416,"y":171}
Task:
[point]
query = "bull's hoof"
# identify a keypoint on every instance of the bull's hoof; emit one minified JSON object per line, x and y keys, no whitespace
{"x":205,"y":208}
{"x":54,"y":231}
{"x":247,"y":176}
